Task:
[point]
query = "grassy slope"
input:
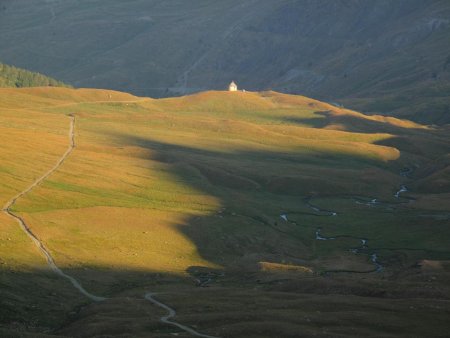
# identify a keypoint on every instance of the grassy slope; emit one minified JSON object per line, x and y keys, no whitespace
{"x":157,"y":190}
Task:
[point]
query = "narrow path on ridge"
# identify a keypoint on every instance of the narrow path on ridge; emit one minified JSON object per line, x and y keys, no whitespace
{"x":51,"y":262}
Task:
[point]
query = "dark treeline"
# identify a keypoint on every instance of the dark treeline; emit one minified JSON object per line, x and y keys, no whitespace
{"x":16,"y":77}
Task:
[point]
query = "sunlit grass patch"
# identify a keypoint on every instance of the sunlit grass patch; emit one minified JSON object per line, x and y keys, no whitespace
{"x":156,"y":190}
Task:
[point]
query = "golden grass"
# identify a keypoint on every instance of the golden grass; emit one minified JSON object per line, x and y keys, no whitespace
{"x":108,"y":171}
{"x":175,"y":185}
{"x":117,"y":238}
{"x":32,"y":143}
{"x":16,"y":251}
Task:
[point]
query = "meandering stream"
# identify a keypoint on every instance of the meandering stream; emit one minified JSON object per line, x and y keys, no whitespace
{"x":403,"y":189}
{"x":364,"y":248}
{"x":322,"y":212}
{"x":364,"y":242}
{"x":359,"y":250}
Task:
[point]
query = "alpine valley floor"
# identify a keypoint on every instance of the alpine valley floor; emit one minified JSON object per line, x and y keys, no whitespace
{"x":219,"y":215}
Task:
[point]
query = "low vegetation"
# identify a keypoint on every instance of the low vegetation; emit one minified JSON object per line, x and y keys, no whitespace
{"x":11,"y":76}
{"x":214,"y":201}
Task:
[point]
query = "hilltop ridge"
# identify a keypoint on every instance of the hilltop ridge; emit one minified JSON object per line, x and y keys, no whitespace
{"x":389,"y":57}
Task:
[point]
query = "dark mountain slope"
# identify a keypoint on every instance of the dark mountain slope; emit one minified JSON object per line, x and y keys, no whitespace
{"x":377,"y":56}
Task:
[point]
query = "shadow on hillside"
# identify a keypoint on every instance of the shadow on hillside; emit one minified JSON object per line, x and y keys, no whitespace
{"x":354,"y":123}
{"x":53,"y":306}
{"x":318,"y":122}
{"x":254,"y":188}
{"x":415,"y":144}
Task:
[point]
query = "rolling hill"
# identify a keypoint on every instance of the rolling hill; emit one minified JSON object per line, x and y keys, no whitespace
{"x":250,"y":213}
{"x":386,"y":56}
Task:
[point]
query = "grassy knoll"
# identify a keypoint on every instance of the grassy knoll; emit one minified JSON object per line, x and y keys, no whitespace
{"x":161,"y":195}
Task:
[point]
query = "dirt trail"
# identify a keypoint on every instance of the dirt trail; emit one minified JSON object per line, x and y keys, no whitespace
{"x":29,"y":232}
{"x":172,"y":313}
{"x":51,"y":262}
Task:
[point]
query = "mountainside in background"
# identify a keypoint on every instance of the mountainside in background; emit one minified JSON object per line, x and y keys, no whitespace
{"x":15,"y":77}
{"x":388,"y":56}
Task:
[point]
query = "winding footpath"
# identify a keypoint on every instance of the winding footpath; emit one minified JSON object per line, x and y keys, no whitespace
{"x":172,"y":313}
{"x":29,"y":232}
{"x":51,"y":262}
